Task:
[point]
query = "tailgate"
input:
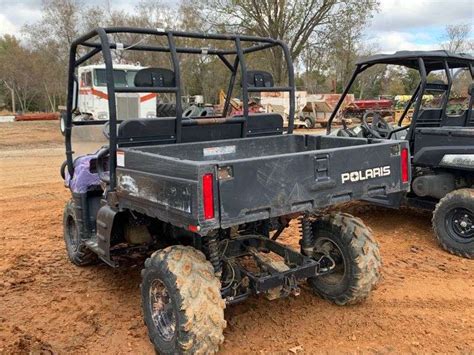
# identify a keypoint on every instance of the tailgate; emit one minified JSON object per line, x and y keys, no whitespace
{"x":260,"y":188}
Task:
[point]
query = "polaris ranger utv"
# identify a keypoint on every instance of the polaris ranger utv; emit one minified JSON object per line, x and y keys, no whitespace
{"x":206,"y":199}
{"x":441,"y":138}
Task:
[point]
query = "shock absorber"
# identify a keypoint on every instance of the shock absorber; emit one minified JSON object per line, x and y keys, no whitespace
{"x":307,"y":240}
{"x":213,"y":254}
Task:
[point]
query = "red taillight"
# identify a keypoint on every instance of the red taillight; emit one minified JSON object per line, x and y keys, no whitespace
{"x":193,"y":228}
{"x":208,"y":195}
{"x":405,"y":164}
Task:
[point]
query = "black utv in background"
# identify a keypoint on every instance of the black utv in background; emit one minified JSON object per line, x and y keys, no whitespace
{"x":441,"y":138}
{"x":206,"y":199}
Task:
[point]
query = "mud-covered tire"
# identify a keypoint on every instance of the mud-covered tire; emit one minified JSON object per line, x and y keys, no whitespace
{"x":452,"y":212}
{"x":194,"y":299}
{"x":73,"y":232}
{"x":356,"y":250}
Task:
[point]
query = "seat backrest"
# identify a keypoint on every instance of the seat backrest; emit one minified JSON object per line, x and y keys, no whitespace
{"x":162,"y":130}
{"x":429,"y":117}
{"x":259,"y":79}
{"x":155,"y":77}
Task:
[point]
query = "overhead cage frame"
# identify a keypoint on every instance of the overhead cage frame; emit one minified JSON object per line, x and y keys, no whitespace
{"x":105,"y":46}
{"x":424,"y":65}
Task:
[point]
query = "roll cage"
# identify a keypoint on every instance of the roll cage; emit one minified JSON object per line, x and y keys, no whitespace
{"x":424,"y":62}
{"x":105,"y":46}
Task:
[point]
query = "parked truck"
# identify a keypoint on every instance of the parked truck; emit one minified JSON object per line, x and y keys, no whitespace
{"x":93,"y":98}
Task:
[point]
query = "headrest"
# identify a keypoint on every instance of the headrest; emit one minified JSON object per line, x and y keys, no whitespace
{"x":259,"y":79}
{"x":155,"y":77}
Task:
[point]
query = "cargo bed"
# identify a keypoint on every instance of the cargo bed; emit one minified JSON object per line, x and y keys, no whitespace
{"x":255,"y":178}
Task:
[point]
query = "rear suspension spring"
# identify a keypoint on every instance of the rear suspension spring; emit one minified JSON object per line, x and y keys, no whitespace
{"x":213,"y":253}
{"x":307,"y":240}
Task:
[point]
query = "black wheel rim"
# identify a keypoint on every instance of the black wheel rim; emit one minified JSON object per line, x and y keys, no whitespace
{"x":325,"y":247}
{"x":161,"y":310}
{"x":72,"y":233}
{"x":460,"y":224}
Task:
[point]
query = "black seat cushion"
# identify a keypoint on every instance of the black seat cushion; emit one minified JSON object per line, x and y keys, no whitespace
{"x":259,"y":79}
{"x":155,"y":77}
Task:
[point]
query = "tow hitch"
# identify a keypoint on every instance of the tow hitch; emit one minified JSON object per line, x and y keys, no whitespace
{"x":271,"y":268}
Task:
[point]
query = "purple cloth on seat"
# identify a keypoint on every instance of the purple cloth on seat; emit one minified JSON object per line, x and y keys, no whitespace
{"x":83,"y":179}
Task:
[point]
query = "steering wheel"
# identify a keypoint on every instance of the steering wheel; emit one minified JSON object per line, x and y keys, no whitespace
{"x":379,"y":128}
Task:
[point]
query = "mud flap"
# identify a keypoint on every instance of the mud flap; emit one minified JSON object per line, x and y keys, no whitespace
{"x":105,"y":222}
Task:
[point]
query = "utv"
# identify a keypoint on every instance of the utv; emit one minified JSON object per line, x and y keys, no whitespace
{"x":441,"y":139}
{"x":206,"y":199}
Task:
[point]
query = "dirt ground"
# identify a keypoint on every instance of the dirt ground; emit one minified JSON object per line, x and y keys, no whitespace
{"x":424,"y":304}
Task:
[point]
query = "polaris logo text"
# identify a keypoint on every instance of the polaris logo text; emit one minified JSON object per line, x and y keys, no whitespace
{"x":361,"y":175}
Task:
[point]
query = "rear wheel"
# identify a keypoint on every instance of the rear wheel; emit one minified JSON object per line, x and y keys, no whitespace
{"x":165,"y":110}
{"x":356,"y":264}
{"x":181,"y":301}
{"x":309,"y":123}
{"x":453,"y":222}
{"x":76,"y":249}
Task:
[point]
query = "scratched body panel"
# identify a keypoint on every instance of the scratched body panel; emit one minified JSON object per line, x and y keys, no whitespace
{"x":256,"y":178}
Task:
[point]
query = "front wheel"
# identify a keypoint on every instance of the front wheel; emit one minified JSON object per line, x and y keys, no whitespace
{"x":309,"y":123}
{"x":346,"y":241}
{"x":182,"y":304}
{"x":74,"y":238}
{"x":453,"y":222}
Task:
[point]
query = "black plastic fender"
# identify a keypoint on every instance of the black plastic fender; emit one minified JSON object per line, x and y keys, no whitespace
{"x":105,"y":221}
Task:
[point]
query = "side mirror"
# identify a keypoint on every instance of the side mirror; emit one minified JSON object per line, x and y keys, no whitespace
{"x":469,"y":89}
{"x":75,"y":94}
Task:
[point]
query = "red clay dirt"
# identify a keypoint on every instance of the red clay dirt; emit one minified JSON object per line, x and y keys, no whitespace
{"x":425,"y":302}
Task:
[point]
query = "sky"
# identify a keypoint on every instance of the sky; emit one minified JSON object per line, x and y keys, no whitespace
{"x":399,"y":24}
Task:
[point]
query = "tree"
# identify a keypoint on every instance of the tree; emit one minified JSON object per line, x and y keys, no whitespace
{"x":456,"y":38}
{"x":324,"y":38}
{"x":15,"y":71}
{"x":297,"y":22}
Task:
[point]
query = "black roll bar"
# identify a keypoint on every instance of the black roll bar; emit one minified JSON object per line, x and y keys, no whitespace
{"x":418,"y":103}
{"x":105,"y":46}
{"x":471,"y":99}
{"x":359,"y":69}
{"x":231,"y":87}
{"x":177,"y":73}
{"x":245,"y":92}
{"x":408,"y":105}
{"x":109,"y":74}
{"x":448,"y":90}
